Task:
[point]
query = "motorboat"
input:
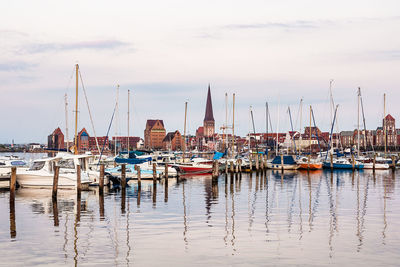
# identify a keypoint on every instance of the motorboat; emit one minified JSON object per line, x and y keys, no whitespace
{"x":6,"y":162}
{"x":41,"y":173}
{"x":342,"y":163}
{"x":306,"y":163}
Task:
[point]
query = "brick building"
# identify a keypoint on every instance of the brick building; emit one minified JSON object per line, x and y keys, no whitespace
{"x":56,"y":139}
{"x":122,"y":142}
{"x":154,"y":134}
{"x":173,"y":141}
{"x":209,"y":122}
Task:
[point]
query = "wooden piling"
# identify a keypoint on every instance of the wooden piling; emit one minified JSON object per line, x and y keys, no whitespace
{"x":231,"y":169}
{"x":123,"y":176}
{"x":251,"y":163}
{"x":240,"y":165}
{"x":13,"y":179}
{"x":257,"y":158}
{"x":374,"y":162}
{"x":282,"y":162}
{"x":226,"y":167}
{"x":215,"y":169}
{"x":139,"y":176}
{"x":393,"y":162}
{"x":166,"y":171}
{"x":352,"y":162}
{"x":55,"y":211}
{"x":101,"y":179}
{"x":154,"y":171}
{"x":56,"y":170}
{"x":331,"y":162}
{"x":78,"y":178}
{"x":237,"y":166}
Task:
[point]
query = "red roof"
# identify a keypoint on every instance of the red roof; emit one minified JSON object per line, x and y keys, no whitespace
{"x":151,"y":123}
{"x":389,"y":117}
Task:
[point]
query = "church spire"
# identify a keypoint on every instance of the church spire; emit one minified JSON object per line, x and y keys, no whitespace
{"x":209,"y":110}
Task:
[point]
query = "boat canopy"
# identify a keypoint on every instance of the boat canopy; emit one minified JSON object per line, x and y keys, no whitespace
{"x":289,"y":160}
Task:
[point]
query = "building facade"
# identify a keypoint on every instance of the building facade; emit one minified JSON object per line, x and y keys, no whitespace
{"x":56,"y":139}
{"x":173,"y":141}
{"x":154,"y":134}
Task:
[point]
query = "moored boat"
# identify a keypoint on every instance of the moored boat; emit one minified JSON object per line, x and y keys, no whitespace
{"x":288,"y":163}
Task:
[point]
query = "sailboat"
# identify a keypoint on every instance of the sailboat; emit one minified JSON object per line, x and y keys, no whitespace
{"x":308,"y":163}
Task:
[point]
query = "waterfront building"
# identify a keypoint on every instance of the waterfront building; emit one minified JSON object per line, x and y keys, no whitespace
{"x":154,"y":134}
{"x":56,"y":139}
{"x":122,"y":142}
{"x":173,"y":141}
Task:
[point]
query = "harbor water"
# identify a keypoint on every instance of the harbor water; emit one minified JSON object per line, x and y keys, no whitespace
{"x":292,"y":218}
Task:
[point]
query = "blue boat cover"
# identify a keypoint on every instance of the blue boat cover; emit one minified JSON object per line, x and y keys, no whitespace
{"x":132,"y":160}
{"x":289,"y":160}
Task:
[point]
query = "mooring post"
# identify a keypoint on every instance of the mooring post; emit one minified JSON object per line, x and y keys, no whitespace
{"x":282,"y":162}
{"x":214,"y":169}
{"x":139,"y":176}
{"x":231,"y":169}
{"x":101,"y":179}
{"x":56,"y":170}
{"x":237,"y":166}
{"x":352,"y":162}
{"x":331,"y":161}
{"x":78,"y":178}
{"x":123,"y":176}
{"x":13,"y":179}
{"x":166,"y":171}
{"x":374,"y":162}
{"x":257,"y":158}
{"x":251,"y":163}
{"x":226,"y":167}
{"x":393,"y":162}
{"x":240,"y":165}
{"x":154,"y":172}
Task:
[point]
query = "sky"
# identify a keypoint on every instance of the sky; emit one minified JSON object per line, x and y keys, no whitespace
{"x":168,"y":52}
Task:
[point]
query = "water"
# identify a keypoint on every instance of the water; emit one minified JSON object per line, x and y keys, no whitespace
{"x":320,"y":218}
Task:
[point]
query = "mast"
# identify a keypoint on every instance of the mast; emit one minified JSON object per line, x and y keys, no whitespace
{"x":233,"y":125}
{"x":116,"y":123}
{"x":384,"y":121}
{"x":226,"y":120}
{"x":331,"y":104}
{"x":277,"y":129}
{"x":266,"y":121}
{"x":76,"y":111}
{"x":128,"y":123}
{"x":301,"y":118}
{"x":358,"y":122}
{"x":184,"y":134}
{"x":310,"y":130}
{"x":66,"y":120}
{"x":254,"y":129}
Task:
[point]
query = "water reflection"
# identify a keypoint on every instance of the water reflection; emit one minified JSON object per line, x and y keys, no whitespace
{"x":269,"y":214}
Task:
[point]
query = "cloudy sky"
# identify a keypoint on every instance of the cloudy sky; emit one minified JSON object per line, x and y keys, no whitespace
{"x":167,"y":52}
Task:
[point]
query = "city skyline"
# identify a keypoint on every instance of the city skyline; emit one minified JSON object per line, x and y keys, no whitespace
{"x":168,"y":53}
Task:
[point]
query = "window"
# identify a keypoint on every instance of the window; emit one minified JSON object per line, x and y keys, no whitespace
{"x":66,"y":163}
{"x":37,"y":166}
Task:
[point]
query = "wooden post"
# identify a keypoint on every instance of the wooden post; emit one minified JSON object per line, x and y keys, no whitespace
{"x":13,"y":179}
{"x":257,"y":158}
{"x":251,"y":163}
{"x":231,"y":169}
{"x":214,"y":169}
{"x":282,"y":162}
{"x":237,"y":166}
{"x":393,"y":162}
{"x":56,"y":170}
{"x":139,"y":176}
{"x":352,"y":162}
{"x":226,"y":167}
{"x":78,"y":178}
{"x":154,"y":171}
{"x":374,"y":162}
{"x":101,"y":179}
{"x":240,"y":165}
{"x":331,"y":162}
{"x":55,"y":211}
{"x":166,"y":171}
{"x":123,"y":176}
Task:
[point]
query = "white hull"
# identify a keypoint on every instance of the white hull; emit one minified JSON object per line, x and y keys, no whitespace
{"x":280,"y":167}
{"x":29,"y":179}
{"x":378,"y":166}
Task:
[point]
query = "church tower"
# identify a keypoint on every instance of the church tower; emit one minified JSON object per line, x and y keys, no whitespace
{"x":209,"y":123}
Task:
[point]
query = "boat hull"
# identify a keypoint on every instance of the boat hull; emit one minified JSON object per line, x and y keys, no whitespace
{"x":43,"y":181}
{"x":194,"y":169}
{"x":282,"y":167}
{"x":311,"y":166}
